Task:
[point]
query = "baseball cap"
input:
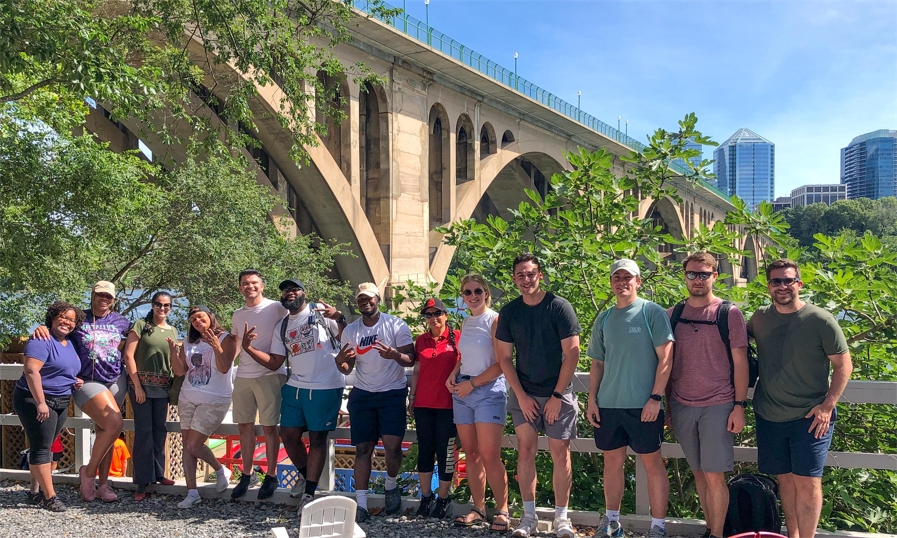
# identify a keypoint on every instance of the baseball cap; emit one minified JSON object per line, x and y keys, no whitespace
{"x":433,"y":303}
{"x":627,"y":265}
{"x":104,"y":286}
{"x":368,"y":289}
{"x":199,"y":308}
{"x":291,"y":283}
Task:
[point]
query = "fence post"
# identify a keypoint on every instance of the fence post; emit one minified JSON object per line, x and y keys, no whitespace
{"x":642,"y":506}
{"x":82,"y":443}
{"x":327,"y":480}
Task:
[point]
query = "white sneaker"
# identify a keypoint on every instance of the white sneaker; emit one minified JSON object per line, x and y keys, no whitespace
{"x":298,"y":489}
{"x":563,"y":527}
{"x":527,"y":527}
{"x":657,"y":532}
{"x":191,"y":499}
{"x":306,"y":498}
{"x":222,"y":479}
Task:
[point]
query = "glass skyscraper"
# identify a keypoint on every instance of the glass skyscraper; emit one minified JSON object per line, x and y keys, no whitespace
{"x":745,"y":166}
{"x":869,"y":165}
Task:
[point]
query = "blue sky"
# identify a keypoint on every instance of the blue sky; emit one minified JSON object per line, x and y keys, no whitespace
{"x":809,"y":75}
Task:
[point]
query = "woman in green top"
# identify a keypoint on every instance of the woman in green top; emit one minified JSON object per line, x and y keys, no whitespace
{"x":148,"y":361}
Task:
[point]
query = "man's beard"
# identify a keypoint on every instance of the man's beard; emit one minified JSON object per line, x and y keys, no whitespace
{"x":783,"y":300}
{"x":699,"y":292}
{"x":294,"y":304}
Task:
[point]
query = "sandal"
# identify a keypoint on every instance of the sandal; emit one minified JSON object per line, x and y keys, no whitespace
{"x":499,"y":526}
{"x":480,"y":517}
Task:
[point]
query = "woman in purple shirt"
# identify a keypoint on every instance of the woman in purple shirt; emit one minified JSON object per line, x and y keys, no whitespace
{"x":42,"y":394}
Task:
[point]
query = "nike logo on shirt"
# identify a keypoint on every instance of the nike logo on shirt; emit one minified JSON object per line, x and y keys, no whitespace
{"x":363,"y":350}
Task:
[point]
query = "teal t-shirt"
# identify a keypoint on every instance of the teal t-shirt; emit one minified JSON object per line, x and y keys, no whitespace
{"x":622,"y":340}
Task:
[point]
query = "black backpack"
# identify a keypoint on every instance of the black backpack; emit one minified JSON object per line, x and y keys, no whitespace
{"x":753,"y":505}
{"x":722,"y":325}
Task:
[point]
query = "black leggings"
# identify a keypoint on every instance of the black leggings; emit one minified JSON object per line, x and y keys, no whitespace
{"x":435,"y":439}
{"x":40,"y":434}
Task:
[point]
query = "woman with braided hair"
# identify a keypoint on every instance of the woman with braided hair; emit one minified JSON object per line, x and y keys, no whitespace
{"x":431,"y":403}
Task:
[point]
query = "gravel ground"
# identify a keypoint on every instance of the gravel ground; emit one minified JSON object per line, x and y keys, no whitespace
{"x":158,"y":516}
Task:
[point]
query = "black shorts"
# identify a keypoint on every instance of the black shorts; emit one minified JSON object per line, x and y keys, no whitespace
{"x":375,"y":414}
{"x":624,"y":427}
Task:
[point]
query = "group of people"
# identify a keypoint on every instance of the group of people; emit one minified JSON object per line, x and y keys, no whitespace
{"x":691,"y":374}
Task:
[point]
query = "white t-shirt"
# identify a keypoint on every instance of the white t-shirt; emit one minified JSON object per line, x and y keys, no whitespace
{"x":310,"y":351}
{"x":265,"y":317}
{"x":475,"y":344}
{"x":373,"y":372}
{"x":204,"y":384}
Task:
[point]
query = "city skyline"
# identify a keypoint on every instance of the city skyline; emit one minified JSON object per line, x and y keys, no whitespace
{"x":809,"y":75}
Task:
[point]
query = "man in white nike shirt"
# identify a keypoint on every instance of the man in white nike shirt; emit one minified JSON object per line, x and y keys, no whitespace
{"x":379,"y":347}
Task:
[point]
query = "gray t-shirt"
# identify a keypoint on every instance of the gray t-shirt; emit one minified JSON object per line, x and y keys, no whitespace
{"x":624,"y":340}
{"x":792,"y":355}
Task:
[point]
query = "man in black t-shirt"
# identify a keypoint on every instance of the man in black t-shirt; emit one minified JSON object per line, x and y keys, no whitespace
{"x":544,"y":331}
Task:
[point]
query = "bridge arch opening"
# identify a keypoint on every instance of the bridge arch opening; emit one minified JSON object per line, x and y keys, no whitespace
{"x":439,"y":173}
{"x":488,"y":144}
{"x":506,"y":191}
{"x":332,"y":112}
{"x":374,"y":166}
{"x":465,"y":165}
{"x":664,"y":214}
{"x":507,"y":138}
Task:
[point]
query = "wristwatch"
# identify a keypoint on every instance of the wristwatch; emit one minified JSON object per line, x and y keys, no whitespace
{"x":742,"y":403}
{"x":657,"y":397}
{"x":557,"y":395}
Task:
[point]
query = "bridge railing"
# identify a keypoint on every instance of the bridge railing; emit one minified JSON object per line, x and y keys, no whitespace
{"x":857,"y":392}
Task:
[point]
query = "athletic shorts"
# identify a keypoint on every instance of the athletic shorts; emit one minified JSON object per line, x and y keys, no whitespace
{"x":91,"y":389}
{"x":258,"y":396}
{"x":375,"y":414}
{"x":703,"y":433}
{"x":485,"y":404}
{"x":624,"y":427}
{"x":564,"y":427}
{"x":314,"y":410}
{"x":789,"y":447}
{"x":203,"y":418}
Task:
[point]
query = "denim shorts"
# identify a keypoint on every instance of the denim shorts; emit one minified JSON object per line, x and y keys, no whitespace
{"x":487,"y":403}
{"x":788,"y":447}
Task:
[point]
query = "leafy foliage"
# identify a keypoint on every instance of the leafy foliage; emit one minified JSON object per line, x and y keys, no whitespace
{"x":857,"y":216}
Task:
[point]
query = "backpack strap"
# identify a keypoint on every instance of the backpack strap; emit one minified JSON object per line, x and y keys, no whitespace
{"x":319,"y":319}
{"x":677,"y":313}
{"x":722,"y":325}
{"x":283,"y":338}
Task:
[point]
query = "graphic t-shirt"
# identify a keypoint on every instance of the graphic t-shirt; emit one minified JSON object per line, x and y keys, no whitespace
{"x":373,"y":373}
{"x":265,"y":317}
{"x":792,"y":355}
{"x":310,"y":351}
{"x":702,"y":373}
{"x":536,"y":332}
{"x":625,"y":342}
{"x":97,"y":342}
{"x":437,"y":358}
{"x":61,"y":365}
{"x":204,"y":384}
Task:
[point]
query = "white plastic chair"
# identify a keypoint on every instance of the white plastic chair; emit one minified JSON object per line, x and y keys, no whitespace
{"x":330,"y":517}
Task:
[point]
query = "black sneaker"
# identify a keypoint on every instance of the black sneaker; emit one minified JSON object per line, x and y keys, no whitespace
{"x":706,"y":533}
{"x":35,"y":498}
{"x":269,"y":486}
{"x":242,"y":487}
{"x":361,"y":515}
{"x":426,"y":501}
{"x":441,"y":507}
{"x":52,"y":504}
{"x":393,"y":501}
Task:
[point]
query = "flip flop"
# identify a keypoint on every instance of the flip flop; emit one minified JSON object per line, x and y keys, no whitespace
{"x":461,"y":521}
{"x":498,"y":526}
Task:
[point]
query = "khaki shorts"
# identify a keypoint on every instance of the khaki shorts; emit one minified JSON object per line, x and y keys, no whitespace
{"x":258,"y":396}
{"x":202,"y":418}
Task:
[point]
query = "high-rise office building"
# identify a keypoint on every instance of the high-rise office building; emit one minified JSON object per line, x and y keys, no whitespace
{"x":814,"y":194}
{"x":745,"y":166}
{"x":781,"y":203}
{"x":869,"y":165}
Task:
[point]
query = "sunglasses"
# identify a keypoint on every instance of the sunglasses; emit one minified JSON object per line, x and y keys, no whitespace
{"x":478,"y":291}
{"x":428,"y":315}
{"x":104,"y":296}
{"x":157,"y":304}
{"x":703,"y":275}
{"x":776,"y":282}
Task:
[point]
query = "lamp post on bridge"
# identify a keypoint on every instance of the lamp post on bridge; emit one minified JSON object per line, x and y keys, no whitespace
{"x":627,"y":127}
{"x":579,"y":106}
{"x":516,"y":86}
{"x":427,"y":7}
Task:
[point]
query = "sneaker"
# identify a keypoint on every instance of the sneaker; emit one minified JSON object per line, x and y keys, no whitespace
{"x":657,"y":532}
{"x":361,"y":515}
{"x":269,"y":486}
{"x":298,"y":489}
{"x":35,"y":498}
{"x":393,"y":501}
{"x":305,"y":499}
{"x":52,"y":504}
{"x":88,"y":485}
{"x":426,"y":501}
{"x":527,"y":527}
{"x":191,"y":499}
{"x":222,"y":479}
{"x":441,"y":507}
{"x":609,"y":529}
{"x":105,"y":492}
{"x":563,"y":527}
{"x":242,"y":486}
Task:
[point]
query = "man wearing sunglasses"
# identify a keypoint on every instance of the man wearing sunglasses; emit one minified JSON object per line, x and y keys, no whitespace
{"x":794,"y":401}
{"x":708,"y":385}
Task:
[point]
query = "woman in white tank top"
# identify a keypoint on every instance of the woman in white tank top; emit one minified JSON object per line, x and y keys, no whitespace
{"x":480,"y":405}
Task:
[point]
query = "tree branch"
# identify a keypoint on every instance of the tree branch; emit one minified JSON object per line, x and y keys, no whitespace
{"x":28,"y":91}
{"x":128,"y":266}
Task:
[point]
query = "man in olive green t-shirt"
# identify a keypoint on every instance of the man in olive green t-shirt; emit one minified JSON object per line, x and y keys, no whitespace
{"x":794,"y":401}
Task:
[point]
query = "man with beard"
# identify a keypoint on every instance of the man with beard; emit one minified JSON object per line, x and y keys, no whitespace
{"x":794,"y":401}
{"x":380,"y":347}
{"x":311,"y":398}
{"x":708,"y":386}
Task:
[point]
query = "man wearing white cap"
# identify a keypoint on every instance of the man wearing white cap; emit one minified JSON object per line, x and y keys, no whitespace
{"x":631,"y":350}
{"x":379,"y":347}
